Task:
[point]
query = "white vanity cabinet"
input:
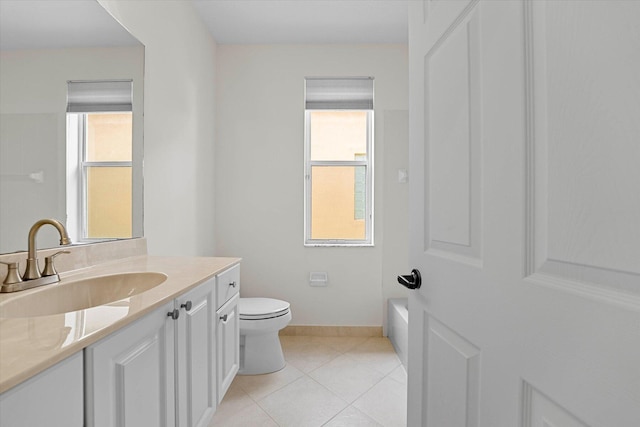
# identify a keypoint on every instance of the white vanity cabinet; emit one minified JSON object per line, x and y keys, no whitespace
{"x":161,"y":370}
{"x":228,"y":328}
{"x":129,"y":375}
{"x":195,"y":346}
{"x":57,"y":392}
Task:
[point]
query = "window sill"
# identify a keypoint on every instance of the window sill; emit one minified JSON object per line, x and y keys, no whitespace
{"x":338,"y":244}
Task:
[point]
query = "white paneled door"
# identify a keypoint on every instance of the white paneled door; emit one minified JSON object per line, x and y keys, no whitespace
{"x":525,"y":213}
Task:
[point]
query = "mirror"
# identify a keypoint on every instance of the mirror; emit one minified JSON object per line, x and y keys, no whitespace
{"x":44,"y":44}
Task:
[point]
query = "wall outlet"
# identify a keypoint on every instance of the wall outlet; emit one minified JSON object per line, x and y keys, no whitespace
{"x":318,"y":278}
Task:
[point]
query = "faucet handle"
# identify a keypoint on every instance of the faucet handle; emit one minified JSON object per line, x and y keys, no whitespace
{"x":49,"y":268}
{"x":13,"y":276}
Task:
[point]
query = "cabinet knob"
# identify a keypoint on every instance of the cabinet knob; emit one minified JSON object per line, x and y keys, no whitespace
{"x":186,"y":306}
{"x":174,"y":314}
{"x":232,"y":284}
{"x":224,"y":318}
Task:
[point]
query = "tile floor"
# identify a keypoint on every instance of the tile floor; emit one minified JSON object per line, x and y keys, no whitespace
{"x":328,"y":381}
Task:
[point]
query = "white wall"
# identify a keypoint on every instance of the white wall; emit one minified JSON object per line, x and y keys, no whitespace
{"x":259,"y":179}
{"x":178,"y":124}
{"x":395,"y":249}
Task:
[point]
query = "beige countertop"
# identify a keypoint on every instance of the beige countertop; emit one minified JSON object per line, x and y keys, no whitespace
{"x":29,"y":345}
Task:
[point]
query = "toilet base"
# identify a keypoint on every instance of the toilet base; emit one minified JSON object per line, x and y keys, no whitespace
{"x":260,"y":353}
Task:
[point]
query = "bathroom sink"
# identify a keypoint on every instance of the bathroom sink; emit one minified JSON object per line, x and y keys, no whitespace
{"x":70,"y":296}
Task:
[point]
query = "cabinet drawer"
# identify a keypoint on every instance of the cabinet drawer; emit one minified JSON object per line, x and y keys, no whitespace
{"x":227,"y":285}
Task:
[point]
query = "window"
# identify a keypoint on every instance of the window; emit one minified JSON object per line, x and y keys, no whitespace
{"x":100,"y":136}
{"x":339,"y":162}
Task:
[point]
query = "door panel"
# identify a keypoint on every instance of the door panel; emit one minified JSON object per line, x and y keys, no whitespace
{"x":454,"y":378}
{"x":539,"y":410}
{"x":524,"y":205}
{"x":136,"y":373}
{"x":584,"y":150}
{"x":448,"y":139}
{"x":452,"y":144}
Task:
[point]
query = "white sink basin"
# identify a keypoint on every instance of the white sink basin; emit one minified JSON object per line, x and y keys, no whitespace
{"x":64,"y":297}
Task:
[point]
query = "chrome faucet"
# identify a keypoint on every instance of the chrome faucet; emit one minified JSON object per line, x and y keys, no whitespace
{"x":32,"y":276}
{"x":32,"y":271}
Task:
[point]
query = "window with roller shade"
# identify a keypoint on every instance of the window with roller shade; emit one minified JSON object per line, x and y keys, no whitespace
{"x":100,"y":125}
{"x":339,"y":161}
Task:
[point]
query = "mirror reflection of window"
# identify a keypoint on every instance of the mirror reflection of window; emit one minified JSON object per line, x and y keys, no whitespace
{"x":100,"y":131}
{"x":107,"y":175}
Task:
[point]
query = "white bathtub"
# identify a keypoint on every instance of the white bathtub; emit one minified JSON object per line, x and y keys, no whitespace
{"x":398,"y":327}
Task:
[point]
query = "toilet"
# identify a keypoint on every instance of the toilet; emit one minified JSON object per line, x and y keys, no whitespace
{"x":260,"y":321}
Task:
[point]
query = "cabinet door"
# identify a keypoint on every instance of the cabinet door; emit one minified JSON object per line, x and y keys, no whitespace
{"x":228,"y":340}
{"x":195,"y":350}
{"x":57,"y":393}
{"x":129,"y":375}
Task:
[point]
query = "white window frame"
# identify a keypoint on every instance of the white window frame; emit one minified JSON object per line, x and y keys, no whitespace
{"x":95,"y":97}
{"x":369,"y":183}
{"x":79,"y":175}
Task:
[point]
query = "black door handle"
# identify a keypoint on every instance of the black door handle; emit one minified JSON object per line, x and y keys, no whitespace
{"x":413,"y":281}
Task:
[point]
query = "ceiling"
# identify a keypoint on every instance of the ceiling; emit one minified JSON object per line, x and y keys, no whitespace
{"x":43,"y":24}
{"x":39,"y":24}
{"x":305,"y":21}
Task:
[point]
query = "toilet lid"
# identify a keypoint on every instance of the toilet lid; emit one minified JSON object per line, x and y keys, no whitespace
{"x":262,"y":308}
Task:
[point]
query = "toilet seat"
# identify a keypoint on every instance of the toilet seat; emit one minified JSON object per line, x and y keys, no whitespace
{"x":262,"y":308}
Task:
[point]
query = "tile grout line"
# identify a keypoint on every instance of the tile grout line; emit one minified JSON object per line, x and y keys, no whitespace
{"x":340,"y":350}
